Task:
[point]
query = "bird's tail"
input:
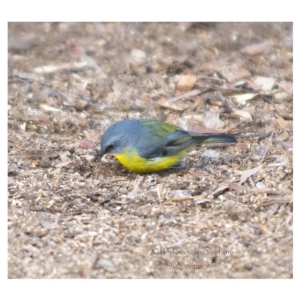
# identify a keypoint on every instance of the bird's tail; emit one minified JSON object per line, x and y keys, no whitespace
{"x":216,"y":138}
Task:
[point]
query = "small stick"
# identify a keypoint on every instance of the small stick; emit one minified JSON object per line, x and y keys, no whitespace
{"x":226,"y":102}
{"x":185,"y":95}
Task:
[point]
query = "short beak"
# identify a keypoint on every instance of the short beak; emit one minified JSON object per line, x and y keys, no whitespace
{"x":99,"y":155}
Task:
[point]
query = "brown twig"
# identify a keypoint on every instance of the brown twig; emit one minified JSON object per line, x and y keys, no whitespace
{"x":226,"y":102}
{"x":185,"y":95}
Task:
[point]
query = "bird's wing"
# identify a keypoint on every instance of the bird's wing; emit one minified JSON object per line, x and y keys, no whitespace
{"x":158,"y":129}
{"x":167,"y":144}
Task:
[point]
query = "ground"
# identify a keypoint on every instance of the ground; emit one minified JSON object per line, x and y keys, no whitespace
{"x":223,"y":212}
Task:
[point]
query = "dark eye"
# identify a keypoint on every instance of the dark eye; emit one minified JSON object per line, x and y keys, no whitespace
{"x":109,"y":148}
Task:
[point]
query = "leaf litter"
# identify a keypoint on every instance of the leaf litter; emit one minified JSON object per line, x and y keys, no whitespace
{"x":220,"y":213}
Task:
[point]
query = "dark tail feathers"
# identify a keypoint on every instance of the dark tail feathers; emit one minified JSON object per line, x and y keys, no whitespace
{"x":216,"y":138}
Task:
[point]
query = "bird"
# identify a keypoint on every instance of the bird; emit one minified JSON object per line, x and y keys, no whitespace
{"x":147,"y":146}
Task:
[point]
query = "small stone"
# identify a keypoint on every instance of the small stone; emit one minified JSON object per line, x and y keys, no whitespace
{"x":138,"y":57}
{"x":45,"y":162}
{"x":107,"y":265}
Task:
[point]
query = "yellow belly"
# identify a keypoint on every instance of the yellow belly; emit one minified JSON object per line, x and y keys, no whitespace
{"x":132,"y":161}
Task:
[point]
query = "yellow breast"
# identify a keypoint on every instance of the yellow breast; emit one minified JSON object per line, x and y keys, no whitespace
{"x":134,"y":162}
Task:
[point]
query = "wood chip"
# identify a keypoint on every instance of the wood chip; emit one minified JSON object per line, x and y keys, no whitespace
{"x":186,"y":82}
{"x":283,"y":136}
{"x":264,"y":83}
{"x":243,"y":98}
{"x":235,"y":75}
{"x":166,"y":104}
{"x":242,"y":115}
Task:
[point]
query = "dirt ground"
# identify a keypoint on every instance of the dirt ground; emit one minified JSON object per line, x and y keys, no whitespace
{"x":223,"y":212}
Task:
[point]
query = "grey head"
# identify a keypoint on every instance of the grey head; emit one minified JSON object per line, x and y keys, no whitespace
{"x":119,"y":135}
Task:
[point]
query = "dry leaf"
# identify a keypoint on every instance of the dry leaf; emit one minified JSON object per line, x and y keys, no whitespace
{"x":248,"y":173}
{"x":221,"y":188}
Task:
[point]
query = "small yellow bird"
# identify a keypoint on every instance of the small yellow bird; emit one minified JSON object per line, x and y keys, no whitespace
{"x":146,"y":146}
